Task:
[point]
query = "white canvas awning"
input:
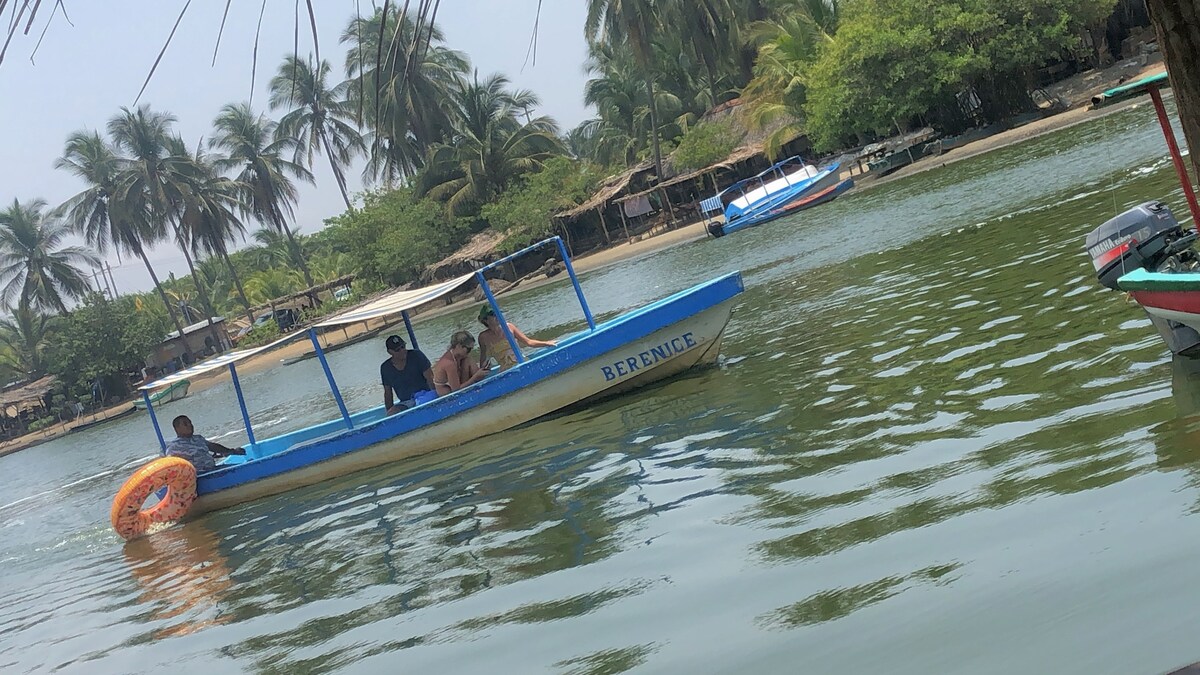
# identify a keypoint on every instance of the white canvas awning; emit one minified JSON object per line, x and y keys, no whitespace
{"x":219,"y":361}
{"x":388,"y":305}
{"x":397,"y":302}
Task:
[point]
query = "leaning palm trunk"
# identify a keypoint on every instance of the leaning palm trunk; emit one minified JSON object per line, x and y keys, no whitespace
{"x":337,"y":170}
{"x":658,"y":177}
{"x":300,"y":260}
{"x":237,"y":282}
{"x":166,"y":302}
{"x":203,"y":291}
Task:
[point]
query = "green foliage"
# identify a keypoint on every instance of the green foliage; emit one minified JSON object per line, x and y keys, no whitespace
{"x":898,"y":59}
{"x":705,"y":144}
{"x":394,"y":236}
{"x":526,"y":211}
{"x":261,"y":335}
{"x":101,"y":339}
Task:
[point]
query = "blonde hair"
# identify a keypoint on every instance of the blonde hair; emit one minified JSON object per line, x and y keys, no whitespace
{"x":462,"y":339}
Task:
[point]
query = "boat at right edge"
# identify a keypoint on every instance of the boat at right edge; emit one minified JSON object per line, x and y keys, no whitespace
{"x":1145,"y":251}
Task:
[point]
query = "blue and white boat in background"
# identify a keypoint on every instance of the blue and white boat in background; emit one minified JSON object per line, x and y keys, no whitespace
{"x":786,"y":187}
{"x":656,"y":341}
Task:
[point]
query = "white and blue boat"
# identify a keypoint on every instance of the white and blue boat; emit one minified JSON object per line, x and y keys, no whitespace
{"x":648,"y":344}
{"x":786,"y":187}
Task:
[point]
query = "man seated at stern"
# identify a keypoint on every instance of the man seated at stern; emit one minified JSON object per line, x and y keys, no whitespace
{"x":201,"y":452}
{"x":404,"y":373}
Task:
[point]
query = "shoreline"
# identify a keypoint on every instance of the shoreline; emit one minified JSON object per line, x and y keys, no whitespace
{"x":601,"y":258}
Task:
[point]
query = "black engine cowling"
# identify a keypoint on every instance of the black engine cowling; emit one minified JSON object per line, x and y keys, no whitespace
{"x":1145,"y":236}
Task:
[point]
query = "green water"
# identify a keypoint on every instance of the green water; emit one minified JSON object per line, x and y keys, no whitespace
{"x":934,"y":445}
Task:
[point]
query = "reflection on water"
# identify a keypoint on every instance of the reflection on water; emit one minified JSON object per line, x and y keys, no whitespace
{"x":184,"y":578}
{"x":934,"y":444}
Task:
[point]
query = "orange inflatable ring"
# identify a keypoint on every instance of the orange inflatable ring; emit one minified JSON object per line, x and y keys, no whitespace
{"x":176,"y":474}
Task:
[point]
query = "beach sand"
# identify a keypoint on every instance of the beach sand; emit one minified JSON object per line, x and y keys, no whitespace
{"x":1075,"y":91}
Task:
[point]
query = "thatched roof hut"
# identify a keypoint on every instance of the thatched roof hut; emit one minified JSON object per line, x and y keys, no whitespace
{"x":480,"y":250}
{"x":674,"y":187}
{"x":25,"y":396}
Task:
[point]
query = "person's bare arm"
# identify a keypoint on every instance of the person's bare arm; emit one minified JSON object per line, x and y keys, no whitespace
{"x":219,"y":450}
{"x":429,"y":380}
{"x":527,"y":341}
{"x":388,"y":402}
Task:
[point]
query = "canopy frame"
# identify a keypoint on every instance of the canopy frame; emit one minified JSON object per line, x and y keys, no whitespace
{"x":399,"y":302}
{"x":491,"y":298}
{"x":1152,"y":85}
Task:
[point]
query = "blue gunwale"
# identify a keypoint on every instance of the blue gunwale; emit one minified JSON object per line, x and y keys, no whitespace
{"x":769,"y":201}
{"x":314,"y":444}
{"x":780,"y":210}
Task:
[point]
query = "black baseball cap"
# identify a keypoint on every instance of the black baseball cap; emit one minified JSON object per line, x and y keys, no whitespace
{"x":394,"y":342}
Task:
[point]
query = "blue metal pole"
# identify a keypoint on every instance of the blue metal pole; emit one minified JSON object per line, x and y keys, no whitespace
{"x":412,"y":337}
{"x":337,"y":395}
{"x":587,"y":313}
{"x":237,"y":387}
{"x":487,"y":291}
{"x":162,"y":444}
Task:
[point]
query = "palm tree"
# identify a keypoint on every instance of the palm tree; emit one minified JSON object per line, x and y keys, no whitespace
{"x":25,"y":336}
{"x":209,"y":219}
{"x":34,"y":270}
{"x":490,"y":146}
{"x":330,"y":268}
{"x":318,"y":118}
{"x":632,"y":22}
{"x":400,"y":80}
{"x":622,"y":129}
{"x":97,"y":214}
{"x":223,"y":292}
{"x":267,"y":192}
{"x":269,"y":284}
{"x":184,"y":295}
{"x":155,"y":182}
{"x":707,"y":32}
{"x":787,"y":48}
{"x":274,"y":249}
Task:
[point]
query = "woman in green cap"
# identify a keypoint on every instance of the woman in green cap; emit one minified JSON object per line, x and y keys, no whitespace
{"x":493,"y":344}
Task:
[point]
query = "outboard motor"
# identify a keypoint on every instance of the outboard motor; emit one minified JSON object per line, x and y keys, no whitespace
{"x":1147,"y":236}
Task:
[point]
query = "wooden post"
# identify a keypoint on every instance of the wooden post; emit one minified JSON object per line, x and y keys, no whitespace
{"x":624,"y":225}
{"x":662,"y":192}
{"x":604,"y":225}
{"x":566,"y":236}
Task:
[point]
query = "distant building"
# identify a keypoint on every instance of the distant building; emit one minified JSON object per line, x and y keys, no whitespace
{"x":170,"y":354}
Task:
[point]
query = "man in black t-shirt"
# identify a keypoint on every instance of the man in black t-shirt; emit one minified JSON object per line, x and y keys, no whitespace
{"x":406,"y":372}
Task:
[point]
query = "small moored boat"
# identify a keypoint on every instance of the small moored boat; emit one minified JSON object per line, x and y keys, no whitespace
{"x":786,"y":187}
{"x":172,"y":392}
{"x":641,"y":346}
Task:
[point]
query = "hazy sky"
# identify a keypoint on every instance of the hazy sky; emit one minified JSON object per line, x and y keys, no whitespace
{"x":84,"y":73}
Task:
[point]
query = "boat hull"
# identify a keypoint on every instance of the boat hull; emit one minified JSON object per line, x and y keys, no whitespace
{"x":172,"y":393}
{"x":647,"y":345}
{"x":824,"y":190}
{"x":1174,"y":296}
{"x":1179,"y":306}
